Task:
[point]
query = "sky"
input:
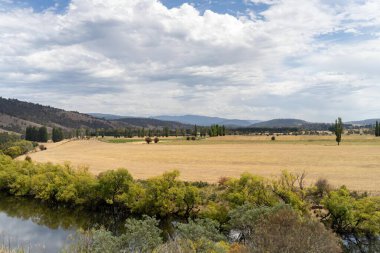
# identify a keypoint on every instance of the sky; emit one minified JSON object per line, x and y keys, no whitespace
{"x":248,"y":59}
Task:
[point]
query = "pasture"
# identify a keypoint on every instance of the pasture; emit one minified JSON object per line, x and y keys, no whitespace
{"x":355,"y":163}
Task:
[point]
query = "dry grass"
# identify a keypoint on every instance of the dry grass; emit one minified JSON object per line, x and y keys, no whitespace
{"x":356,"y":163}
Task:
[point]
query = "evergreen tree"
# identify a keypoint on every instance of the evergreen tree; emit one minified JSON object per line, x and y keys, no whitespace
{"x":42,"y":134}
{"x":28,"y":133}
{"x":377,"y":129}
{"x":338,"y":130}
{"x":57,"y":134}
{"x":195,"y":130}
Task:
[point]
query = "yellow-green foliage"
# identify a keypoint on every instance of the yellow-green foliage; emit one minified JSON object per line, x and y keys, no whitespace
{"x":251,"y":189}
{"x":162,"y":196}
{"x":349,"y":214}
{"x":166,"y":195}
{"x":16,"y":148}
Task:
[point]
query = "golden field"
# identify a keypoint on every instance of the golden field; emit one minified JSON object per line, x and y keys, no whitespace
{"x":355,"y":163}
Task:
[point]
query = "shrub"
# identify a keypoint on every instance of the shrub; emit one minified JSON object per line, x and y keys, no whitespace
{"x":156,"y":140}
{"x":42,"y":147}
{"x":188,"y":138}
{"x":250,"y":189}
{"x":141,"y":235}
{"x":322,"y":187}
{"x":200,"y":229}
{"x":114,"y":186}
{"x":148,"y":140}
{"x":273,"y":138}
{"x":166,"y":195}
{"x":193,"y":138}
{"x":280,"y":229}
{"x":28,"y":159}
{"x":13,"y":151}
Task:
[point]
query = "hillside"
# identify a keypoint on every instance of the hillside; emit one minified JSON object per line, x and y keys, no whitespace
{"x":292,"y":123}
{"x":281,"y":123}
{"x":207,"y":121}
{"x":107,"y":116}
{"x":153,"y":123}
{"x":16,"y":115}
{"x":365,"y":122}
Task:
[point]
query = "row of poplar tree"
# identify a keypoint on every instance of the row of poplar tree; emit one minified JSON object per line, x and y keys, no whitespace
{"x":40,"y":134}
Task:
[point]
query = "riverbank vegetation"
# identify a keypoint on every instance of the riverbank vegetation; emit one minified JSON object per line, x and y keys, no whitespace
{"x":234,"y":215}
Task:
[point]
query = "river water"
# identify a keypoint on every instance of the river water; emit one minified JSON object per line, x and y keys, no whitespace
{"x":39,"y":227}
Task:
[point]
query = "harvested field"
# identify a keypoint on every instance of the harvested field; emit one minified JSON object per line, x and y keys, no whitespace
{"x":356,"y":163}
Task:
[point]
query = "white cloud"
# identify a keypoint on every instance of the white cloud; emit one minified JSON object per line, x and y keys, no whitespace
{"x":138,"y":57}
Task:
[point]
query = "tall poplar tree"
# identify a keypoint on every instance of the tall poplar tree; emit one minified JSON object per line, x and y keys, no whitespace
{"x":338,"y":130}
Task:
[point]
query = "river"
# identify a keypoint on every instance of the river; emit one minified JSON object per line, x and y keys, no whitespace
{"x":39,"y":227}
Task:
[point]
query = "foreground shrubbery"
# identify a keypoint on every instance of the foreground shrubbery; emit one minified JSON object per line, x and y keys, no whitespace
{"x":276,"y":229}
{"x":265,"y":214}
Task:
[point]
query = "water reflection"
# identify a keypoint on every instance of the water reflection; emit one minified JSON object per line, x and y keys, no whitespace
{"x":45,"y":228}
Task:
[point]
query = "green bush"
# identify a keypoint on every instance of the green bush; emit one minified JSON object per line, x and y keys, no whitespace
{"x":13,"y":151}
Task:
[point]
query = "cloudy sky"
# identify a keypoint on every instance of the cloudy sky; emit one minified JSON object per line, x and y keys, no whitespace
{"x":252,"y":59}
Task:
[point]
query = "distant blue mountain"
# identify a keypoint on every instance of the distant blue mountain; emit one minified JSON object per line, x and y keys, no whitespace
{"x":207,"y":121}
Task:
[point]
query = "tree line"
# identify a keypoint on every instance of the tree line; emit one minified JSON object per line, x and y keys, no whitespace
{"x":41,"y":134}
{"x":214,"y":130}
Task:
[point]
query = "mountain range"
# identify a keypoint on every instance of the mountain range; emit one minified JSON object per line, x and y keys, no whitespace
{"x":16,"y":115}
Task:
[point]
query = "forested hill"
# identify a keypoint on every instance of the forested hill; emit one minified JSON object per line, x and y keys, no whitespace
{"x":16,"y":115}
{"x":292,"y":123}
{"x":154,"y":123}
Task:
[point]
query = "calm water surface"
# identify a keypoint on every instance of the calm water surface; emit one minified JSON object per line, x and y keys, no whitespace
{"x":39,"y":227}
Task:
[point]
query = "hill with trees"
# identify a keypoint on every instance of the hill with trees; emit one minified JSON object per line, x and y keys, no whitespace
{"x":16,"y":116}
{"x":366,"y":122}
{"x":292,"y":123}
{"x":153,"y":123}
{"x":207,"y":121}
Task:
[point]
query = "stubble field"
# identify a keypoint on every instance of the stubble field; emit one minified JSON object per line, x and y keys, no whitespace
{"x":355,"y":163}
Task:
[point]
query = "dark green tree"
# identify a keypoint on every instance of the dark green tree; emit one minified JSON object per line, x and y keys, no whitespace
{"x":32,"y":134}
{"x":57,"y":134}
{"x":377,"y":129}
{"x":42,"y":134}
{"x":338,"y":130}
